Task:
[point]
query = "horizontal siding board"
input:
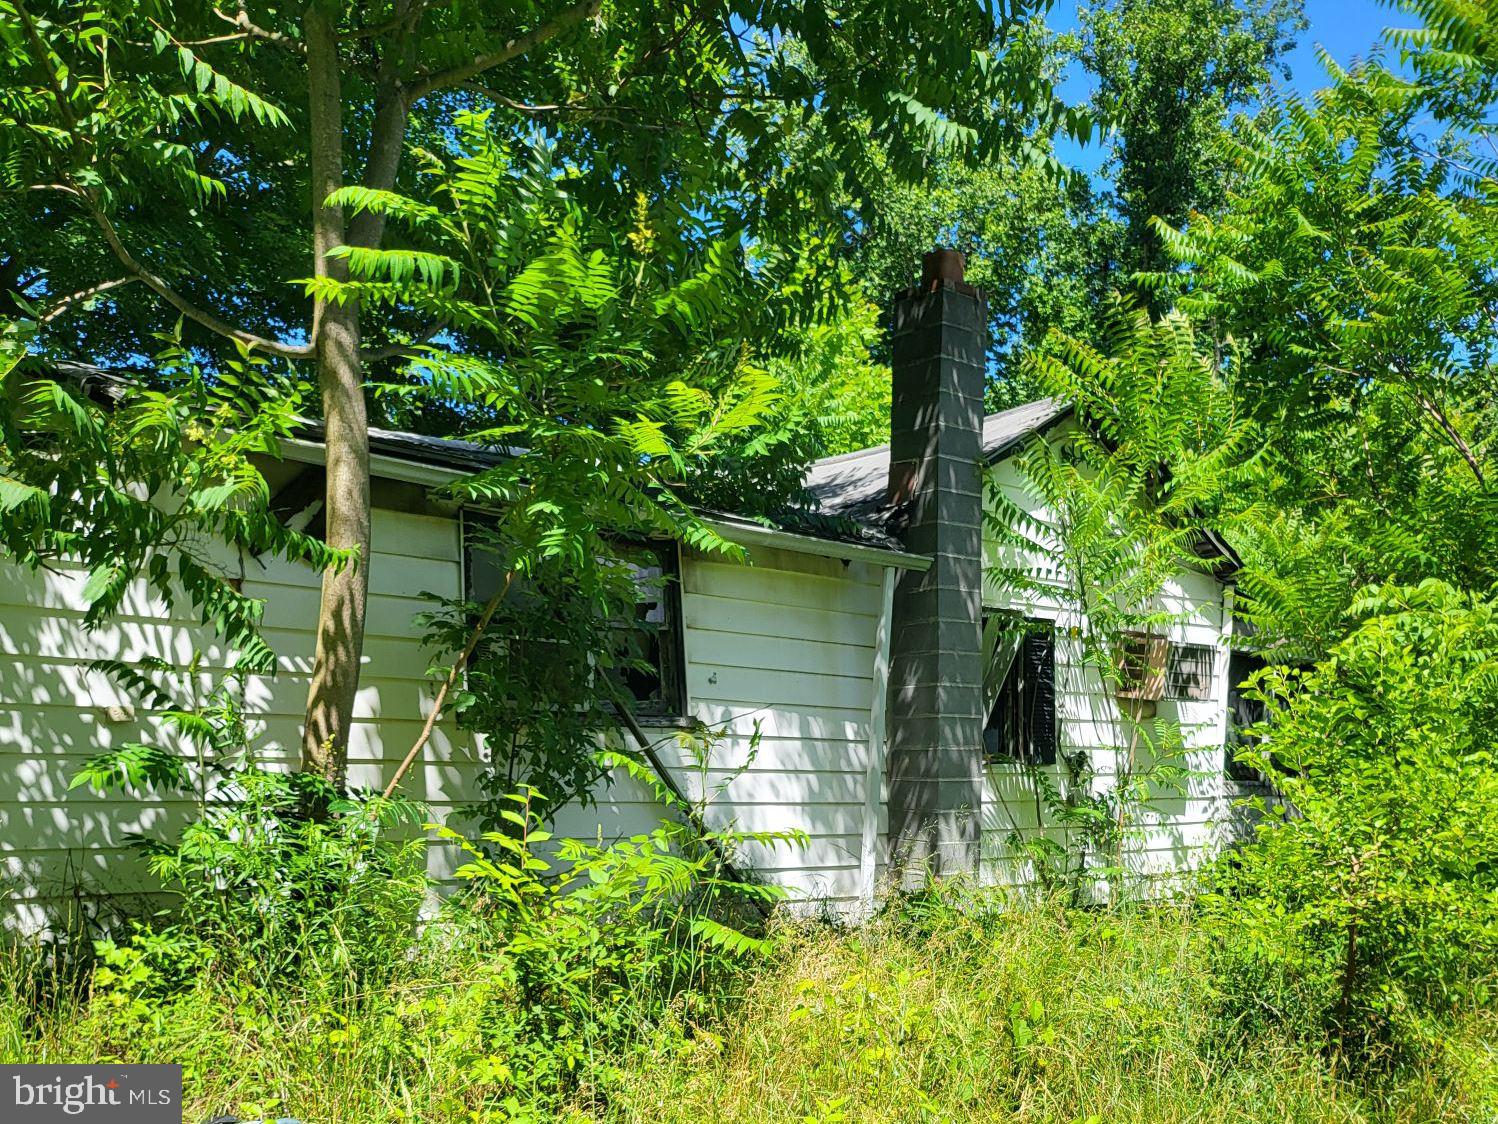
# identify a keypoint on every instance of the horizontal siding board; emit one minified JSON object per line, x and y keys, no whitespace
{"x":816,"y":657}
{"x":723,"y":683}
{"x":295,"y":608}
{"x":819,"y":853}
{"x":817,"y":722}
{"x":26,"y":683}
{"x":726,"y":614}
{"x":773,"y":754}
{"x":60,"y":590}
{"x":776,"y":589}
{"x":395,"y":575}
{"x":784,"y":787}
{"x":37,"y":636}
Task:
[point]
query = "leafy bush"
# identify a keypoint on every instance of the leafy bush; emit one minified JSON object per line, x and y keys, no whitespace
{"x":598,"y":945}
{"x":268,"y":892}
{"x":1367,"y":904}
{"x":278,"y":874}
{"x":294,"y":977}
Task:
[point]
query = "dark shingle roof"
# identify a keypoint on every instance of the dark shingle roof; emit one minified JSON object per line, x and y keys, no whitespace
{"x":853,"y":485}
{"x":443,"y":452}
{"x":848,"y":490}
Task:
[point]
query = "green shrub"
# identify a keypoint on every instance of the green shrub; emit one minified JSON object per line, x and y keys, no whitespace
{"x":294,"y":980}
{"x":266,"y":891}
{"x":1367,"y":904}
{"x":600,"y":944}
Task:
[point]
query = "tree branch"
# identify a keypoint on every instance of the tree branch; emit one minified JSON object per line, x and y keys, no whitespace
{"x":111,"y":236}
{"x":250,"y":30}
{"x":180,"y":303}
{"x":402,"y":350}
{"x":387,"y":135}
{"x":515,"y":48}
{"x":627,"y":119}
{"x":67,"y":302}
{"x":447,"y":684}
{"x":407,"y":17}
{"x":1456,"y":439}
{"x":510,"y":103}
{"x":42,"y":53}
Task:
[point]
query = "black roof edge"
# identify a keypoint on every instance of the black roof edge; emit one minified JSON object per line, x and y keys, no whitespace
{"x":108,"y":389}
{"x":1208,"y":545}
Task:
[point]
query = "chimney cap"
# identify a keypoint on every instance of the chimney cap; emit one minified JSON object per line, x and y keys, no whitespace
{"x":942,"y":265}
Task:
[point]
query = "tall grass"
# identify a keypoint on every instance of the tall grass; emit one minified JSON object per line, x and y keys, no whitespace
{"x":957,"y":1007}
{"x":961,"y":1011}
{"x":461,"y":1026}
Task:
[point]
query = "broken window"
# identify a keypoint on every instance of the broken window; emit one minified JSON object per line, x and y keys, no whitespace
{"x":1019,"y":689}
{"x":1244,"y":713}
{"x":652,"y":668}
{"x":550,"y":620}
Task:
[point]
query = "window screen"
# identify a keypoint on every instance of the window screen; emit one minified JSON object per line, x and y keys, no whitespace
{"x":1019,"y":684}
{"x":1188,"y":672}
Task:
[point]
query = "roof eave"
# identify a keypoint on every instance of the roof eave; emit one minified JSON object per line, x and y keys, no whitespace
{"x":743,"y":532}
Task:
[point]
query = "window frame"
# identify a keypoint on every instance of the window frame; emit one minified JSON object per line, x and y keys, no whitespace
{"x":672,"y":670}
{"x":1241,"y":666}
{"x":1033,"y":628}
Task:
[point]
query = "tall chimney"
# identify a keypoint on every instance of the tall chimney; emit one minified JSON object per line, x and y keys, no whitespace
{"x":935,"y":716}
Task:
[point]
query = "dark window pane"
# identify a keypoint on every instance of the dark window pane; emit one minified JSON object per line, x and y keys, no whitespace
{"x":640,"y":648}
{"x":1243,"y":713}
{"x":652,"y":672}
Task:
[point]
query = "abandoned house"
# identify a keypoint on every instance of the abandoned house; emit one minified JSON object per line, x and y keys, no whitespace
{"x":899,"y":712}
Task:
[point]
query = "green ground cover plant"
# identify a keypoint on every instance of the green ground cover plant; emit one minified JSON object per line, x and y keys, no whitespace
{"x":961,"y":1006}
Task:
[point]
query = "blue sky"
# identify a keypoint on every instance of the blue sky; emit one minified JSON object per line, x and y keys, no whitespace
{"x":1345,"y":28}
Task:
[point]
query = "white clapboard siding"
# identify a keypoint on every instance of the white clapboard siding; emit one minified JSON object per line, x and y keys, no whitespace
{"x":780,"y":666}
{"x":1181,"y":826}
{"x":784,"y":647}
{"x":55,"y":712}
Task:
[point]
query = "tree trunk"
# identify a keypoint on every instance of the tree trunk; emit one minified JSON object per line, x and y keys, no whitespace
{"x":340,"y":375}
